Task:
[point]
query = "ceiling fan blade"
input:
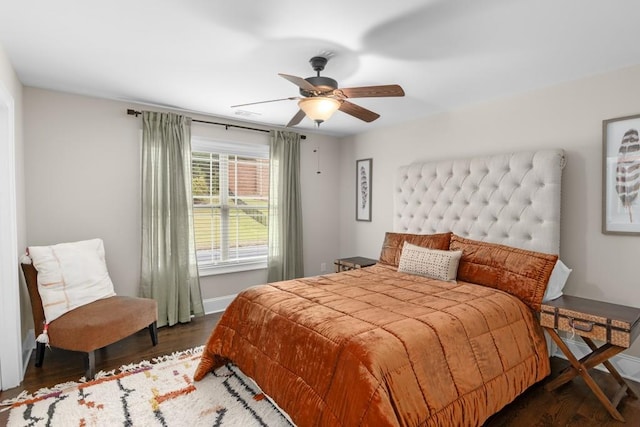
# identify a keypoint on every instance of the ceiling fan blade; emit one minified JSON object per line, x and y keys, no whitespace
{"x":371,"y":91}
{"x":300,"y":82}
{"x":358,"y":111}
{"x":291,"y":98}
{"x":296,"y":119}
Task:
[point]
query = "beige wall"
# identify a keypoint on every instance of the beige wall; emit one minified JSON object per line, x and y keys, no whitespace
{"x":567,"y":116}
{"x":82,"y":181}
{"x":85,"y":152}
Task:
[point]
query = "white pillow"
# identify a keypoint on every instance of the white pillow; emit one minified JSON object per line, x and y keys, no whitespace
{"x":432,"y":263}
{"x":557,"y":280}
{"x":70,"y":275}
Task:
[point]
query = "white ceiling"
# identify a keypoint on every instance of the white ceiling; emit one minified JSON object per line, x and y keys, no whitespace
{"x":204,"y":55}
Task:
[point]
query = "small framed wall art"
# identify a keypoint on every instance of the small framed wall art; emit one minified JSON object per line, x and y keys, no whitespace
{"x":363,"y":189}
{"x":621,"y":175}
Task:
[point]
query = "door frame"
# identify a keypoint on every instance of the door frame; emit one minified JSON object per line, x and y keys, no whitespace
{"x":10,"y":325}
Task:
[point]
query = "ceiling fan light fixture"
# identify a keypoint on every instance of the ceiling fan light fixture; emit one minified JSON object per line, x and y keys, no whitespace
{"x":319,"y":108}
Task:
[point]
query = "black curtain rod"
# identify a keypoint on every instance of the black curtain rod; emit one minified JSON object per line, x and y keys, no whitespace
{"x":136,"y":113}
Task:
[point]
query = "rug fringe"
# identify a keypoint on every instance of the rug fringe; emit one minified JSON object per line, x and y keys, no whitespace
{"x":132,"y":367}
{"x":45,"y":391}
{"x":178,"y":354}
{"x":24,"y":395}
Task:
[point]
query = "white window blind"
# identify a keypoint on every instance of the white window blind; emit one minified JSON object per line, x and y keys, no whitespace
{"x":230,"y":183}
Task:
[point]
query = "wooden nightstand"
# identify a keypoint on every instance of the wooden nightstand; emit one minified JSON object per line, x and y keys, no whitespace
{"x":344,"y":264}
{"x":617,"y":325}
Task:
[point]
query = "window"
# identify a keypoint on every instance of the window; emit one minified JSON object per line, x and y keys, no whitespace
{"x":230,"y":185}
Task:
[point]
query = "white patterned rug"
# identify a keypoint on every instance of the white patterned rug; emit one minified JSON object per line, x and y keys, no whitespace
{"x":157,"y":393}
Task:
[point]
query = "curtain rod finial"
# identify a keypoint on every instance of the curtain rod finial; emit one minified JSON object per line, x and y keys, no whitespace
{"x":133,"y":112}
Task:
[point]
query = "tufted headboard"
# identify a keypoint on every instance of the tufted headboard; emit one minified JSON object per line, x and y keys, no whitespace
{"x":511,"y":199}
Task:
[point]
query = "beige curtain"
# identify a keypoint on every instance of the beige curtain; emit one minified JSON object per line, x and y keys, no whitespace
{"x":285,"y":212}
{"x":169,"y":271}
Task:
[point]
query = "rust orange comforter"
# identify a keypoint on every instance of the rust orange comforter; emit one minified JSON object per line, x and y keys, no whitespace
{"x":380,"y":348}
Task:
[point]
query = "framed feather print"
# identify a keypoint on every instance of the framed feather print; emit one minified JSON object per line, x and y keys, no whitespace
{"x":363,"y":189}
{"x":621,"y":175}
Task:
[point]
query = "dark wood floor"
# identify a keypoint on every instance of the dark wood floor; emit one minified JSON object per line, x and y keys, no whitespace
{"x":571,"y":405}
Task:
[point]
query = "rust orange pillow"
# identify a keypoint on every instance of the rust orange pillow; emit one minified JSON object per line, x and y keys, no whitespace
{"x":393,"y":242}
{"x":520,"y":272}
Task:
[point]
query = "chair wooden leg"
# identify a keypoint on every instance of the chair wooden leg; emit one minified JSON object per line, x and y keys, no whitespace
{"x":153,"y":331}
{"x":90,"y":365}
{"x":40,"y":354}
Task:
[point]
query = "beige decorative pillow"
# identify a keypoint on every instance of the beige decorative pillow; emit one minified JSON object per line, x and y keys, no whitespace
{"x":432,"y":263}
{"x":70,"y":275}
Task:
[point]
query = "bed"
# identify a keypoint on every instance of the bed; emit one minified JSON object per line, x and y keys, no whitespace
{"x":383,"y":346}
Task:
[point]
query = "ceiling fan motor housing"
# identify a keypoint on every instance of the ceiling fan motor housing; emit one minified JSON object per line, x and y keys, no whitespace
{"x":324,"y":84}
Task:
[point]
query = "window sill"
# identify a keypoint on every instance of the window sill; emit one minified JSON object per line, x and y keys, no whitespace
{"x":231,"y":268}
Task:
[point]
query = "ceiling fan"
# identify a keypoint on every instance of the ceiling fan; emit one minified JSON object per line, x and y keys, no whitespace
{"x":321,"y":97}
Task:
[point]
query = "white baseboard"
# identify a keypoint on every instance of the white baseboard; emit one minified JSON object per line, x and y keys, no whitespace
{"x":218,"y":304}
{"x":628,"y":366}
{"x":28,"y":345}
